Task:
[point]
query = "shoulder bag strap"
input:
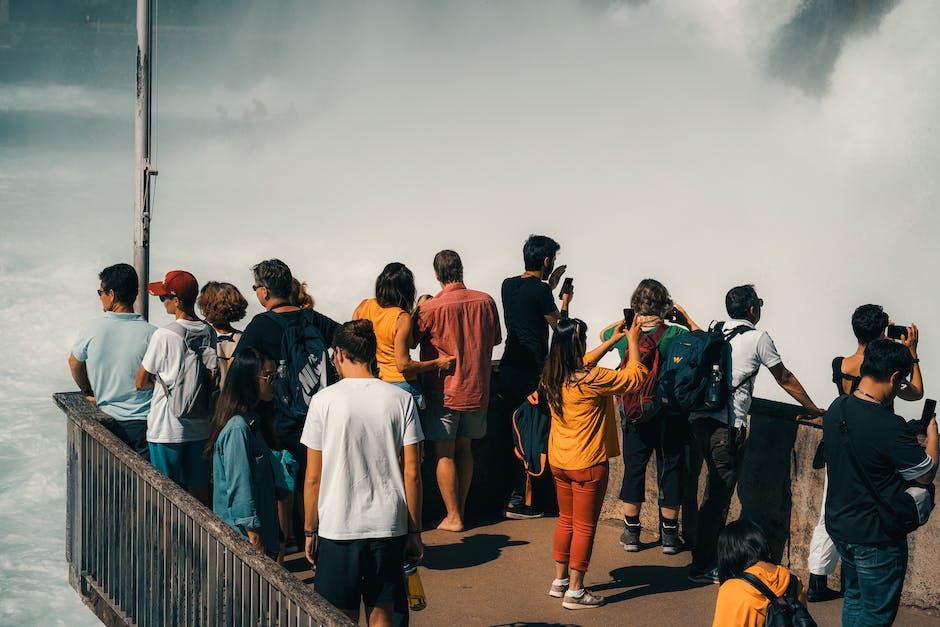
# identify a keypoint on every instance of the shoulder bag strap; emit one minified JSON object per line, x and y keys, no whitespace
{"x":853,"y":458}
{"x":759,"y":585}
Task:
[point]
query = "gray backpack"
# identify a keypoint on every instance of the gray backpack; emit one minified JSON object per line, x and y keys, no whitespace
{"x":193,"y":395}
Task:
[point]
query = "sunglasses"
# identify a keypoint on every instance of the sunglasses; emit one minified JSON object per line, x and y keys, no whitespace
{"x":100,"y":291}
{"x":257,"y":287}
{"x":166,"y":297}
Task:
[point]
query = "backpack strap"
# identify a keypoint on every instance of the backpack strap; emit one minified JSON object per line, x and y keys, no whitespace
{"x":759,"y":585}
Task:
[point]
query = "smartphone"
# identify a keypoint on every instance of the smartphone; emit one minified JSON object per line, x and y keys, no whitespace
{"x":930,"y":408}
{"x":896,"y":331}
{"x":674,"y":316}
{"x":566,"y":287}
{"x":628,"y":315}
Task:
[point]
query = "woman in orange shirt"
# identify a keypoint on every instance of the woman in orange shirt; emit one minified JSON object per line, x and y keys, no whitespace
{"x":390,"y":314}
{"x":743,"y":548}
{"x":583,"y":436}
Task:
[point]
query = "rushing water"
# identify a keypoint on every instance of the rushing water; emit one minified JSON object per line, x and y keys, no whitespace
{"x":650,"y":138}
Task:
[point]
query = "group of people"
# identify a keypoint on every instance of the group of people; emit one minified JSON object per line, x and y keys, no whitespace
{"x":301,"y":423}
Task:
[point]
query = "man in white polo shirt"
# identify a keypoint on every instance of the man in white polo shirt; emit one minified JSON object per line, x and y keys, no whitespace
{"x":720,"y":436}
{"x":362,"y":509}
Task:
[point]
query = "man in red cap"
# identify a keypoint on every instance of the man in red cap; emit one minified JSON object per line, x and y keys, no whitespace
{"x":182,"y":366}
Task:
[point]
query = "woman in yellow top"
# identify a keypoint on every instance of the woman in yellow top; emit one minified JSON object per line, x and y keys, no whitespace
{"x":390,"y":314}
{"x":582,"y":438}
{"x":743,"y":548}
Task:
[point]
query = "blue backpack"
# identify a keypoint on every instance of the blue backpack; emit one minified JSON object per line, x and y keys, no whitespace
{"x":695,"y":372}
{"x":530,"y":426}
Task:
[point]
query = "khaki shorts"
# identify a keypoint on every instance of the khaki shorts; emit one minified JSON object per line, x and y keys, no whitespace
{"x":441,"y":424}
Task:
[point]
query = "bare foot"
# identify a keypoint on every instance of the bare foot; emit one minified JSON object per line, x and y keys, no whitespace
{"x":451,"y":524}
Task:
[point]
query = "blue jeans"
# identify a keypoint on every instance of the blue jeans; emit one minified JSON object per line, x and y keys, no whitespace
{"x":874,"y":576}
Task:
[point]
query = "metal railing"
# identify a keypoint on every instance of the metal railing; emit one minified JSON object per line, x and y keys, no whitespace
{"x":142,"y":551}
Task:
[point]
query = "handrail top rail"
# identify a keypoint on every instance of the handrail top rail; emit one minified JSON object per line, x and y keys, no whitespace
{"x":90,"y":418}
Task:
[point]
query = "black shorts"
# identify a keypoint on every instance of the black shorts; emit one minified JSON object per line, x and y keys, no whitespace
{"x":352,"y":570}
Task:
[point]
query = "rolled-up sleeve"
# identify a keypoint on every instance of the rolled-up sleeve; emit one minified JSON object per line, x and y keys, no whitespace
{"x":240,"y":496}
{"x":627,"y":379}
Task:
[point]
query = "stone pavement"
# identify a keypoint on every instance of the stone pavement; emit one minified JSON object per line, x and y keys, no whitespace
{"x":498,"y":574}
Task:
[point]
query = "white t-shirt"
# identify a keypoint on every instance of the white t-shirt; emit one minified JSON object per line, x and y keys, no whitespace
{"x":749,"y":350}
{"x":164,"y":357}
{"x":361,"y":426}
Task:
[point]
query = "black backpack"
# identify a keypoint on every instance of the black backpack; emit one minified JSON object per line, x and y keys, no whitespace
{"x":302,"y":369}
{"x":782,"y":611}
{"x":687,"y":369}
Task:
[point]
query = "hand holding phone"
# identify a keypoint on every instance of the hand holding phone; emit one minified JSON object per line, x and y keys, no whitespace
{"x":896,"y":331}
{"x":930,"y":410}
{"x":566,"y":287}
{"x":628,"y":315}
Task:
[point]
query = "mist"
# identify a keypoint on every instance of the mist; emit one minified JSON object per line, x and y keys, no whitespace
{"x":790,"y":144}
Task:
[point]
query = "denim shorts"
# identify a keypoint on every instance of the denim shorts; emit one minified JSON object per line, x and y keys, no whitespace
{"x":183,"y":462}
{"x":413,"y":388}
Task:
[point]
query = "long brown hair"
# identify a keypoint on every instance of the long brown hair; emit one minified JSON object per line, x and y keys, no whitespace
{"x":240,"y":394}
{"x":565,"y":359}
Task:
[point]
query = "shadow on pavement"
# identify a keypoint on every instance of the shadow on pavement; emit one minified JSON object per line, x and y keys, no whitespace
{"x":644,"y":580}
{"x":470,"y":551}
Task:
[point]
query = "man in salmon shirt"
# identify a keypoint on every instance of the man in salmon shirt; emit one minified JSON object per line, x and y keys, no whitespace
{"x":462,"y":323}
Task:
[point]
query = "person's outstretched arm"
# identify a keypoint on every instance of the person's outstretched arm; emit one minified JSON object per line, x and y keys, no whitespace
{"x":788,"y":381}
{"x":932,"y":448}
{"x":915,"y":391}
{"x":403,"y":361}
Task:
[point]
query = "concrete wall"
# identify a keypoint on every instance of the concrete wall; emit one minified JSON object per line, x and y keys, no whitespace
{"x":780,"y":490}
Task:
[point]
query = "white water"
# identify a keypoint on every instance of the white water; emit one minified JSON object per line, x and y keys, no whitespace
{"x":649,"y":140}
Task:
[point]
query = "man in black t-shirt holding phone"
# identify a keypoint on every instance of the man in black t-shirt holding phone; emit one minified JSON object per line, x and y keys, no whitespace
{"x":529,"y":309}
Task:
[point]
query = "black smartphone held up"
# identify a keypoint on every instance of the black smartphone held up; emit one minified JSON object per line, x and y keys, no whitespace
{"x":896,"y":331}
{"x":566,"y":287}
{"x":675,"y":316}
{"x":628,"y":315}
{"x":930,"y":408}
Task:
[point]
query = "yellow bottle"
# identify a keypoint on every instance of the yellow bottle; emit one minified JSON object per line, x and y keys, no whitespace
{"x":413,"y":587}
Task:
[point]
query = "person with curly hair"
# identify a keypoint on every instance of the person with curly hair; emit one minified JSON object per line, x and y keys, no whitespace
{"x":221,"y":305}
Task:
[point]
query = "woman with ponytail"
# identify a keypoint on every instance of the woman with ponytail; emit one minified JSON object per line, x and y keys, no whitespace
{"x":583,"y":436}
{"x":243,"y":478}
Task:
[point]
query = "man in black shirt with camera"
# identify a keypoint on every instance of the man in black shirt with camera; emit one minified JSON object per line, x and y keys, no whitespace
{"x":878,"y":475}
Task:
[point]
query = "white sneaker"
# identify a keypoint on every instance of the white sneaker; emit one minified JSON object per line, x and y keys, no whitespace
{"x":557,"y":591}
{"x":586,"y":601}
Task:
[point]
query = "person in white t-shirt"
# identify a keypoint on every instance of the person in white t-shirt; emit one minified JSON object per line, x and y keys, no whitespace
{"x":176,"y":443}
{"x":362,"y":505}
{"x":719,"y":437}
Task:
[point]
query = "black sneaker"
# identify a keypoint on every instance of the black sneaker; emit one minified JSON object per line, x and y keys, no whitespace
{"x":630,"y":538}
{"x":669,"y":538}
{"x":516,"y":509}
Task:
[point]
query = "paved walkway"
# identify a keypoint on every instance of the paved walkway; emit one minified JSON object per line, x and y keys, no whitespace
{"x":499,"y":574}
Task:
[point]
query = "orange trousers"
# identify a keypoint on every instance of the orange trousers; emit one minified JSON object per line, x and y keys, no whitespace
{"x":580,"y":496}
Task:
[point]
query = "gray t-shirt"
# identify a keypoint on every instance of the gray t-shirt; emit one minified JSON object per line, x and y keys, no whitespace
{"x":361,"y":426}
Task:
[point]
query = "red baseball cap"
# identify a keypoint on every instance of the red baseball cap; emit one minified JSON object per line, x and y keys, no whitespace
{"x":178,"y":283}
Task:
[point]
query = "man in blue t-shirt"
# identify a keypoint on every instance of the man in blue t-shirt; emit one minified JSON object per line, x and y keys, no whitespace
{"x":876,"y":469}
{"x":107,"y":353}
